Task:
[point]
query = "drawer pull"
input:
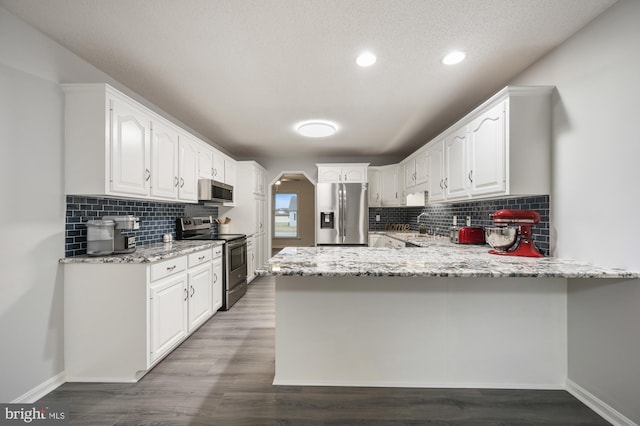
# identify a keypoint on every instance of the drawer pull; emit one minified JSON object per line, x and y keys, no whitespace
{"x":193,"y":290}
{"x":186,"y":294}
{"x":171,"y":268}
{"x":201,"y":257}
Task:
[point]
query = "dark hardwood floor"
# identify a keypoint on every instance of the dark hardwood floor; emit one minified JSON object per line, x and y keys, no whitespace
{"x":222,"y":376}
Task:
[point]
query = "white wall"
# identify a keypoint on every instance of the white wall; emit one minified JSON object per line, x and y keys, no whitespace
{"x":594,"y":200}
{"x":33,"y":203}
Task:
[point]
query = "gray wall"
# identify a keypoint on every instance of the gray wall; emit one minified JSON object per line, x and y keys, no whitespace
{"x":595,"y":177}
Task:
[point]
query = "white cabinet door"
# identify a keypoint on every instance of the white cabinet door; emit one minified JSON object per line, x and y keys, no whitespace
{"x":487,"y":137}
{"x":373,"y":175}
{"x":200,"y":280}
{"x":435,"y":165}
{"x":455,"y":181}
{"x":354,"y":173}
{"x":205,"y":161}
{"x":329,"y":174}
{"x":389,"y":183}
{"x":164,"y":164}
{"x":168,"y":314}
{"x":216,"y":291}
{"x":229,"y":171}
{"x":218,"y":166}
{"x":410,"y":174}
{"x":188,"y":169}
{"x":251,"y":260}
{"x":130,"y":147}
{"x":421,"y":168}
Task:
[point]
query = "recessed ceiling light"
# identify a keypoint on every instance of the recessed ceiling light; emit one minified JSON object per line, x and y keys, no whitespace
{"x":316,"y":128}
{"x":366,"y":59}
{"x":454,"y":58}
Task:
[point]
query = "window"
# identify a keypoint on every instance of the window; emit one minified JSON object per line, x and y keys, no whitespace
{"x":285,"y":215}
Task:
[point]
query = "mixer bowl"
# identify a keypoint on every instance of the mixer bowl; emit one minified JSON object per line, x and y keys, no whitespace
{"x":501,"y":237}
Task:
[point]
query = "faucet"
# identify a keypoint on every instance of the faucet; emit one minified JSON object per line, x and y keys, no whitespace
{"x":424,"y":213}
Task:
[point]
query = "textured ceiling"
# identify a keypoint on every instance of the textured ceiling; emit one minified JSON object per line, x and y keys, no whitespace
{"x":243,"y":72}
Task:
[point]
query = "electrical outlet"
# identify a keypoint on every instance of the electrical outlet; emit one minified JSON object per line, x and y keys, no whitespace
{"x":455,"y":220}
{"x":468,"y":220}
{"x":377,"y":218}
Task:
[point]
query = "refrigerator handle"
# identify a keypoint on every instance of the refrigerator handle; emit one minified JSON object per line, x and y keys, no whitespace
{"x":344,"y":210}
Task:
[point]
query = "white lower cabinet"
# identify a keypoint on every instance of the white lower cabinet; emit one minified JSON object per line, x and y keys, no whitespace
{"x":121,"y":319}
{"x":168,"y":314}
{"x":251,"y":259}
{"x":216,"y":293}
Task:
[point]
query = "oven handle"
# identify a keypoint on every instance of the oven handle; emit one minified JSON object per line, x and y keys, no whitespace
{"x":237,"y":243}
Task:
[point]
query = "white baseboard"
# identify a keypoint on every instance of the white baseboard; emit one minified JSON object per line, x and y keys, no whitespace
{"x":602,"y":408}
{"x":41,"y":390}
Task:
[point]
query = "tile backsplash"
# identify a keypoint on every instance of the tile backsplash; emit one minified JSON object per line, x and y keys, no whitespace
{"x":439,"y":216}
{"x":156,"y":218}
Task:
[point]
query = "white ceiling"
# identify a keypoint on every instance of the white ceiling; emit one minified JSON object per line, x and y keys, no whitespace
{"x":243,"y":72}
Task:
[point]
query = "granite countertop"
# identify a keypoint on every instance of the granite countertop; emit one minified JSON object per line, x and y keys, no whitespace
{"x":436,"y":257}
{"x":148,"y":253}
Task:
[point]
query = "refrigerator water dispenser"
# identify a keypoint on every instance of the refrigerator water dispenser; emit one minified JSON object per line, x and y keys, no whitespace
{"x":327,"y":220}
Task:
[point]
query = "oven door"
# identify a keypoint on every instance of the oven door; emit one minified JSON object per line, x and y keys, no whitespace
{"x":236,"y":259}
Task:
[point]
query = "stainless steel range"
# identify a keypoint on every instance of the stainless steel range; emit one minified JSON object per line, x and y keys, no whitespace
{"x":234,"y":285}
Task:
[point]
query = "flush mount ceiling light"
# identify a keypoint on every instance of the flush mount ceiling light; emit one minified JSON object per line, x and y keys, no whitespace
{"x":454,"y":57}
{"x":316,"y":128}
{"x":366,"y":59}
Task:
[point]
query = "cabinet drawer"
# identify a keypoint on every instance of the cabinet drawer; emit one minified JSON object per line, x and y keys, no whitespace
{"x":200,"y":257}
{"x":217,"y":252}
{"x":168,"y":267}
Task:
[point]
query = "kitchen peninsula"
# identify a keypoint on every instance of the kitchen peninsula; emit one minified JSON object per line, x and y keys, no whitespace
{"x":440,"y":315}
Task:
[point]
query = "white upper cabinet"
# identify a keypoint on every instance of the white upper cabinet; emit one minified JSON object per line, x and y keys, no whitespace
{"x":455,"y":180}
{"x":375,"y":197}
{"x":486,"y":149}
{"x":116,"y":147}
{"x":389,"y":181}
{"x":164,"y":161}
{"x":205,"y":161}
{"x":435,"y":165}
{"x":129,"y":146}
{"x":229,"y":171}
{"x":342,"y":172}
{"x":188,"y":168}
{"x":218,"y":166}
{"x":495,"y":150}
{"x":416,"y":172}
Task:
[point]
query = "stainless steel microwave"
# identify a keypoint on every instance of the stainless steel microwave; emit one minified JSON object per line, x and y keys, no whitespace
{"x":213,"y":191}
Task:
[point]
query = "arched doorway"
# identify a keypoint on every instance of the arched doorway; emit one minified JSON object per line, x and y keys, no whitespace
{"x":293,"y":205}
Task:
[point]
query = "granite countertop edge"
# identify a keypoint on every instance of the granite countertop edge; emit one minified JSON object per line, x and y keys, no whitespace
{"x":148,"y":253}
{"x":434,"y":257}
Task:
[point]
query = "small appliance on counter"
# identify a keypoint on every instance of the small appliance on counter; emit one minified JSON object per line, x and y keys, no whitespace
{"x":123,"y":243}
{"x":513,"y":236}
{"x":466,"y":235}
{"x":100,"y":237}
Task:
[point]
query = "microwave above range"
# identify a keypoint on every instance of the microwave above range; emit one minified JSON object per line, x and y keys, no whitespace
{"x":212,"y":191}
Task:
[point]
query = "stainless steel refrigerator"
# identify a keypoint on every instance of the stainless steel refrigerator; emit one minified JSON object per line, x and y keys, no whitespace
{"x":342,"y":214}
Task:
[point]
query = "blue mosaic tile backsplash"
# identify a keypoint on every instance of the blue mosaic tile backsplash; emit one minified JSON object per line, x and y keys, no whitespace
{"x":440,"y":216}
{"x":156,"y":218}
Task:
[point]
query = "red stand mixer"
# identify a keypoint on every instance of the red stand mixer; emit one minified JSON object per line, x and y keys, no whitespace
{"x":512,"y":236}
